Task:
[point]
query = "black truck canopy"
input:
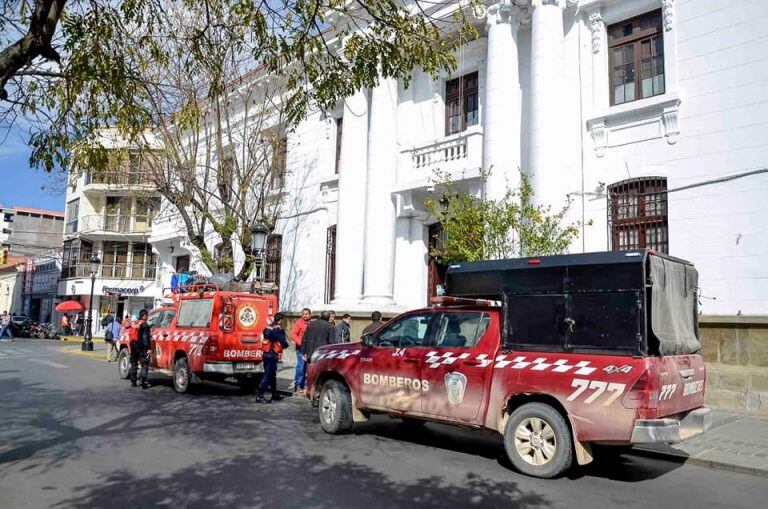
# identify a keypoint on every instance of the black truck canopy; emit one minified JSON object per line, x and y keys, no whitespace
{"x":634,"y":301}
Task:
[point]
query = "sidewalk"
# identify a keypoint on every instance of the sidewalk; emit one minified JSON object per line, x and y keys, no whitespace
{"x":736,"y":442}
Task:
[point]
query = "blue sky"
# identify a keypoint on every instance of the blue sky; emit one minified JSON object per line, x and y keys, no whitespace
{"x":22,"y":185}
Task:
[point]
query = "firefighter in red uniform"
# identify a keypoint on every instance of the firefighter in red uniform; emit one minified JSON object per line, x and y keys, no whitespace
{"x":272,"y":346}
{"x":140,"y":349}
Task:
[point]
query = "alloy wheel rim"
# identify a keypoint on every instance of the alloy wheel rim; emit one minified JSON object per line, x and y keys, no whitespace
{"x":124,"y":364}
{"x":181,"y":378}
{"x":329,"y":406}
{"x":535,"y":441}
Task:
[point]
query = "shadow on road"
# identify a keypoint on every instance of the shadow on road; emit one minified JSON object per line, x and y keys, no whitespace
{"x":295,"y":481}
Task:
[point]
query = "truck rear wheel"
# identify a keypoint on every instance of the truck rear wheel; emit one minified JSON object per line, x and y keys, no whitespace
{"x":538,"y":441}
{"x":335,"y":408}
{"x":181,"y":375}
{"x":124,"y":364}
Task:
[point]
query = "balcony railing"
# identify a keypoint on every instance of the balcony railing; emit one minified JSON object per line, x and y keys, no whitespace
{"x":457,"y":152}
{"x":112,"y":271}
{"x":117,"y":178}
{"x":116,"y":223}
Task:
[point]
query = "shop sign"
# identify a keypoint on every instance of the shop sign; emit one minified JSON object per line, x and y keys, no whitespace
{"x":116,"y":290}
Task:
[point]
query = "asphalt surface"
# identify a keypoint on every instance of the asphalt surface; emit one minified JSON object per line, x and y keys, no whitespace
{"x":73,"y":435}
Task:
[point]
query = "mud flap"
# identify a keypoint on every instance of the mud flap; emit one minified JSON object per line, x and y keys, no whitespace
{"x":583,"y":452}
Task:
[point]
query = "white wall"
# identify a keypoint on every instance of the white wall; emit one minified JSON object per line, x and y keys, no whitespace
{"x":723,"y":123}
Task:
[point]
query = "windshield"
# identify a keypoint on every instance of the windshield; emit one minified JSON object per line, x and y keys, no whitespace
{"x":195,"y":313}
{"x":673,"y":306}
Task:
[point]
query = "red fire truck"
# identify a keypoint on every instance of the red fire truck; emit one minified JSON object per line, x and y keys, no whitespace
{"x":205,"y":333}
{"x":564,"y":356}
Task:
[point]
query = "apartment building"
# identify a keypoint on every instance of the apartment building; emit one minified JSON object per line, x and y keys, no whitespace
{"x":109,"y":216}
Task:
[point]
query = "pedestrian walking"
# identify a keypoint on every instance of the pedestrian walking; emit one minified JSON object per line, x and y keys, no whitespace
{"x":140,"y":350}
{"x":5,"y":326}
{"x":272,"y":347}
{"x":343,"y":329}
{"x":376,"y":323}
{"x":319,"y":333}
{"x":297,"y":335}
{"x":112,"y":336}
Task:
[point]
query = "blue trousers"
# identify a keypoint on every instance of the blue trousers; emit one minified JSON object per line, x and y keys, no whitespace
{"x":269,"y":382}
{"x":300,"y":379}
{"x":7,"y":330}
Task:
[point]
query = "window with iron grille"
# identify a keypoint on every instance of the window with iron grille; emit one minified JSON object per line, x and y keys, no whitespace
{"x":330,"y":263}
{"x":279,"y":160}
{"x":272,"y":257}
{"x":461,"y":103}
{"x":339,"y":130}
{"x":637,"y":214}
{"x":636,"y":52}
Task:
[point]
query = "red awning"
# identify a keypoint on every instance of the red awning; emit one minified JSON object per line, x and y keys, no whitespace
{"x":70,"y":305}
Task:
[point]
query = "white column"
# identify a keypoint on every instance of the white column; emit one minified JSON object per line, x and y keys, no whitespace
{"x":350,"y":225}
{"x":547,"y":80}
{"x":380,"y":213}
{"x":502,"y":110}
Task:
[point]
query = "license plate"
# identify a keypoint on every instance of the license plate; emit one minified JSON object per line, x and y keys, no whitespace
{"x":245,"y":366}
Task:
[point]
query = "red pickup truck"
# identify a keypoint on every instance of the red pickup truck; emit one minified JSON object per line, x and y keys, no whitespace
{"x":562,"y":355}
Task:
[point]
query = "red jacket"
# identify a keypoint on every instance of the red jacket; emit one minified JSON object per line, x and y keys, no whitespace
{"x":297,"y":333}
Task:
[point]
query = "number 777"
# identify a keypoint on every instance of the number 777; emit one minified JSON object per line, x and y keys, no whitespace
{"x":599,"y":387}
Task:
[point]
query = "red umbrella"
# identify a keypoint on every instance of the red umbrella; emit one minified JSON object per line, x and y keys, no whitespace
{"x":70,"y":305}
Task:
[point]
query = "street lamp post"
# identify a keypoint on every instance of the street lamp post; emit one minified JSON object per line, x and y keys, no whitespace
{"x":87,"y":345}
{"x":259,"y":232}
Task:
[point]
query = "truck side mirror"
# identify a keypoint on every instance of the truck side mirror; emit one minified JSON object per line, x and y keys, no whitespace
{"x":367,"y":340}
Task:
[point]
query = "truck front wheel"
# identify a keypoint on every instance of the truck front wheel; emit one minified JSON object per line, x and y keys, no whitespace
{"x":335,"y":408}
{"x":124,"y":364}
{"x":181,"y":375}
{"x":538,"y":441}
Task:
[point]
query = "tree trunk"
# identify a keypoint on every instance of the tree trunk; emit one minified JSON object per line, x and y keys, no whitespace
{"x":35,"y":43}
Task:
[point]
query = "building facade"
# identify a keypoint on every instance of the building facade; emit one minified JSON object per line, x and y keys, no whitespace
{"x":109,"y":215}
{"x":31,"y":232}
{"x":11,"y":274}
{"x":645,"y":118}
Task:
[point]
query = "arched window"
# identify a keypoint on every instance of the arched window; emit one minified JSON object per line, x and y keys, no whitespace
{"x":637,"y":214}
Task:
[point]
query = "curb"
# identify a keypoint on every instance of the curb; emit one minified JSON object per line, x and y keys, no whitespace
{"x":93,"y":355}
{"x":701,"y":462}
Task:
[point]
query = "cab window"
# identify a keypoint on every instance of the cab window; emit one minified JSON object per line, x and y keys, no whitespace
{"x":195,"y":313}
{"x":407,"y":331}
{"x":165,"y":322}
{"x":461,"y":329}
{"x":154,"y":318}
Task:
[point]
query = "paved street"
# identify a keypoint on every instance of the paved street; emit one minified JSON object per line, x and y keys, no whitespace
{"x":73,"y":435}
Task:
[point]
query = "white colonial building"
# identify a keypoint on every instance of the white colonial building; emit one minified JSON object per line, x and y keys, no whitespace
{"x":649,"y":118}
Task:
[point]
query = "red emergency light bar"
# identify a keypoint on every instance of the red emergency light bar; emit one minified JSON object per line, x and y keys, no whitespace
{"x":461,"y":301}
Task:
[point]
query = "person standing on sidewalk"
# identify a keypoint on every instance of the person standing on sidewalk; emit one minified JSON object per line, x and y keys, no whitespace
{"x":5,"y":326}
{"x":343,"y":329}
{"x":319,"y":333}
{"x":140,"y":350}
{"x":65,"y":330}
{"x":376,"y":323}
{"x":271,"y":346}
{"x":112,"y":336}
{"x":297,"y":335}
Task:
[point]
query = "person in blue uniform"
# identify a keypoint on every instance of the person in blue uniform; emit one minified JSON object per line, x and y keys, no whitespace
{"x":272,"y":346}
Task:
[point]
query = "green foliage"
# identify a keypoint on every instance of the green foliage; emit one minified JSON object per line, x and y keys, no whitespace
{"x":114,"y":53}
{"x":477,"y":229}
